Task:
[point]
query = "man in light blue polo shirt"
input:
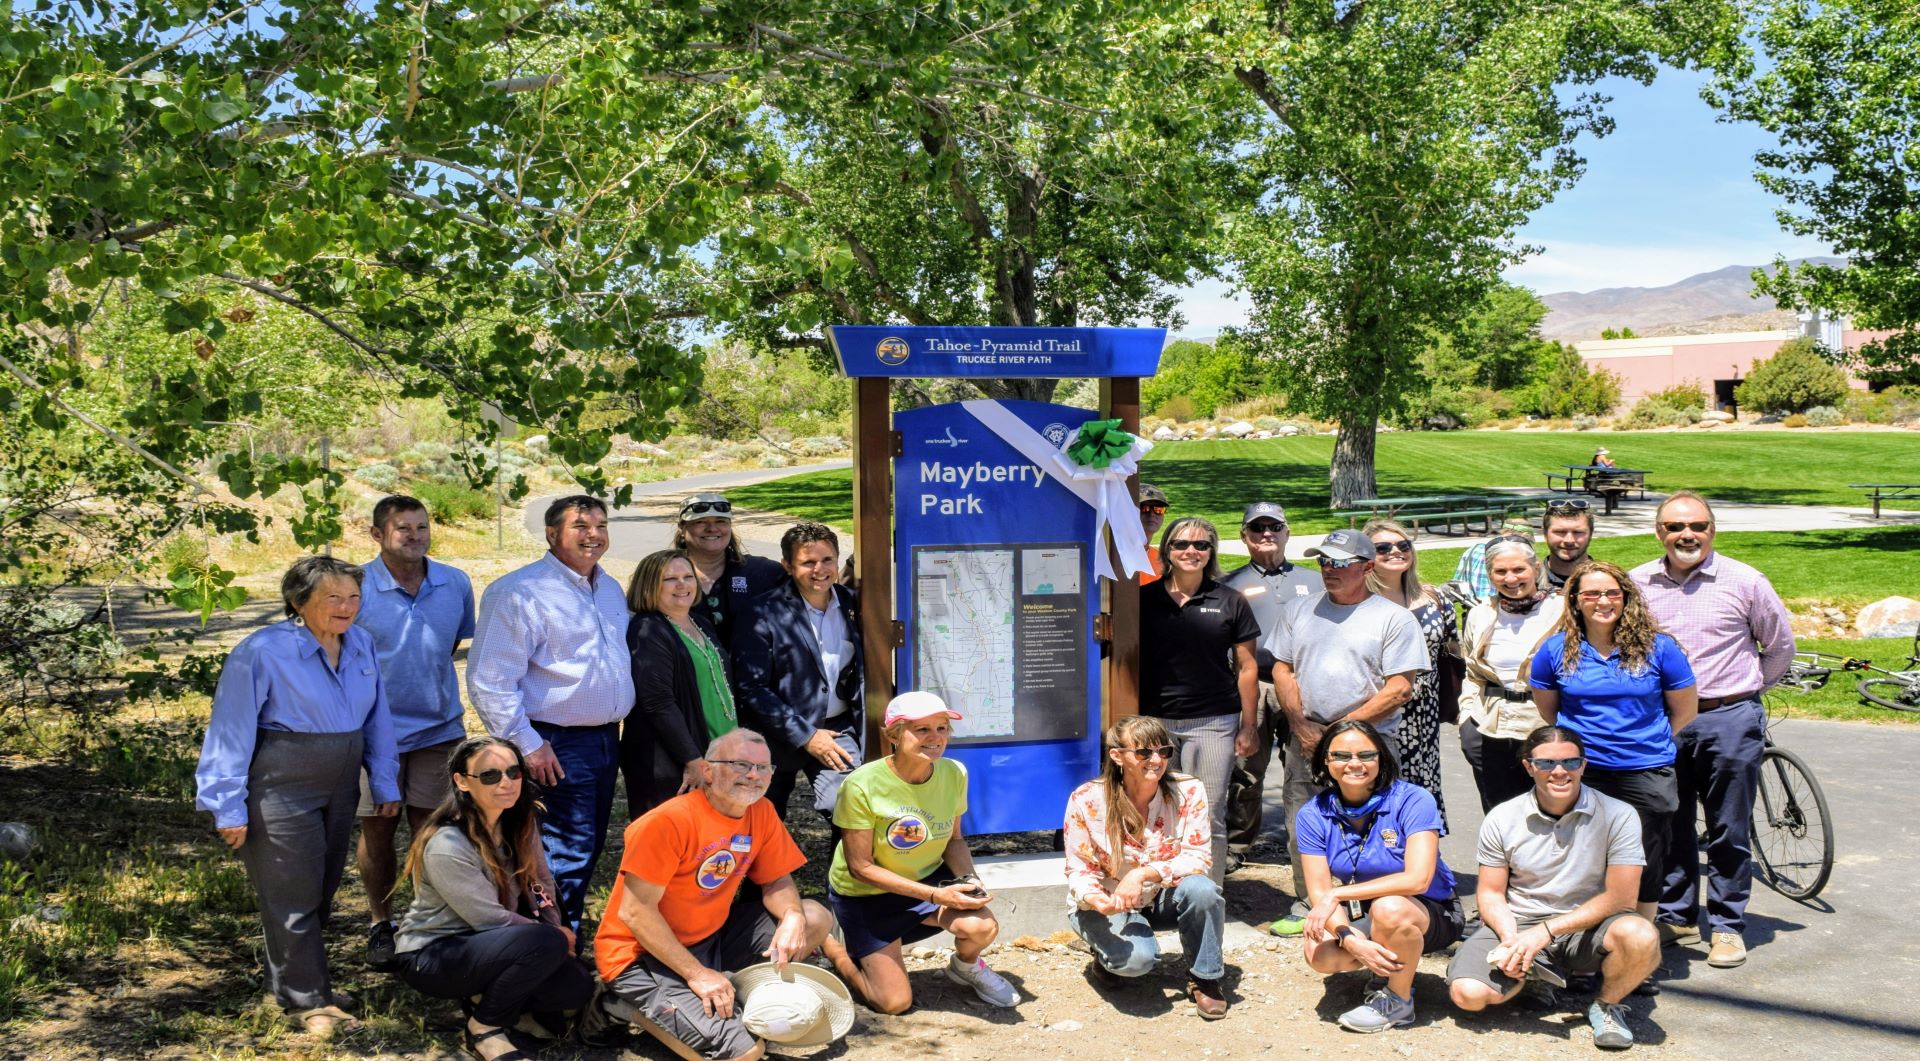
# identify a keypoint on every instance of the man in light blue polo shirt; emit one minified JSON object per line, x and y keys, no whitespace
{"x":418,"y":613}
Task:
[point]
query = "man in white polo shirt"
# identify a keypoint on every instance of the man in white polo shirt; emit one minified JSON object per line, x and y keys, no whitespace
{"x":1559,"y":873}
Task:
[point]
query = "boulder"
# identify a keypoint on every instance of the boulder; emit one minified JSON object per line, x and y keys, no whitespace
{"x":1288,"y":431}
{"x":1163,"y":433}
{"x":1880,"y":618}
{"x":1708,"y":423}
{"x":1717,"y":415}
{"x":17,"y":841}
{"x":1237,"y":429}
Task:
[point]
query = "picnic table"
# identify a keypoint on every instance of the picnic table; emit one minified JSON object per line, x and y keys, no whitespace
{"x":1445,"y":509}
{"x":1610,"y":484}
{"x":1878,"y":492}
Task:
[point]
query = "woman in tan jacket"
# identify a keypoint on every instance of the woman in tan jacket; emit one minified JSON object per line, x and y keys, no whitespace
{"x":1501,"y":634}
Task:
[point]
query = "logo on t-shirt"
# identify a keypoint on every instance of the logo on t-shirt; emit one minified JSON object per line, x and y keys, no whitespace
{"x":906,"y":832}
{"x":1390,"y":838}
{"x":716,"y":869}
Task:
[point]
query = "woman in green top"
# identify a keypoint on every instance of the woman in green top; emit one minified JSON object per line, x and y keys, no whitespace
{"x":683,"y":696}
{"x":902,"y":871}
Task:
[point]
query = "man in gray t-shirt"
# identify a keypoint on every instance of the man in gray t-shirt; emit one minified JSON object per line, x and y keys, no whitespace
{"x":1560,"y":870}
{"x":1344,"y":653}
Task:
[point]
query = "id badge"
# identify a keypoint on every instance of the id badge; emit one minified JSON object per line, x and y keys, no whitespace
{"x":1355,"y":910}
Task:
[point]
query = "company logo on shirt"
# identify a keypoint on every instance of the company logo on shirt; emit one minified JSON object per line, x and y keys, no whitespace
{"x":906,"y":832}
{"x":716,"y":869}
{"x":1390,"y":838}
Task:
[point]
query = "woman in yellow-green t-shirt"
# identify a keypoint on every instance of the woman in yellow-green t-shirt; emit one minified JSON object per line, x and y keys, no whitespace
{"x":902,"y":871}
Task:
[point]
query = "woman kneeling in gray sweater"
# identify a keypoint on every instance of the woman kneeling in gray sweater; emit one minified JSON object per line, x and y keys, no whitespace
{"x":483,"y":927}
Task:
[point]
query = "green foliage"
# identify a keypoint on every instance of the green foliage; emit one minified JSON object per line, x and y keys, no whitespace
{"x":1825,"y":416}
{"x":453,"y":502}
{"x":1796,"y":378}
{"x":1207,"y":375}
{"x":1653,"y":411}
{"x":379,"y":476}
{"x":750,"y":391}
{"x":1498,"y":348}
{"x":1687,"y":394}
{"x":1567,"y":387}
{"x":1178,"y":407}
{"x":1892,"y":405}
{"x":1617,"y":333}
{"x":1836,"y":89}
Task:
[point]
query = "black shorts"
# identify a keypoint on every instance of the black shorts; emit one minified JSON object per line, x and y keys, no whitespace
{"x":870,"y":923}
{"x":665,"y":998}
{"x":1445,"y":923}
{"x":1575,"y":952}
{"x":1654,"y":795}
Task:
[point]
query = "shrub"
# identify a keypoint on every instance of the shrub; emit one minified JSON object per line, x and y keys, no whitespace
{"x":1583,"y":422}
{"x":1688,"y":394}
{"x":1796,"y":420}
{"x":453,"y":502}
{"x":1266,"y":423}
{"x":1796,"y":378}
{"x":1650,"y":412}
{"x":379,"y":476}
{"x":1825,"y":416}
{"x":1177,"y":407}
{"x":1208,"y":375}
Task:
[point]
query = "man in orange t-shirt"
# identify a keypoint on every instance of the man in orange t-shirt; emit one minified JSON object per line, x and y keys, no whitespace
{"x":672,"y":931}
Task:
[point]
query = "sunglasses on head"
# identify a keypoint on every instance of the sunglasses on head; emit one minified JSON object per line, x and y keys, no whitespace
{"x":1697,"y":527}
{"x":492,"y":777}
{"x":1141,"y":755}
{"x":1571,"y":764}
{"x":1201,"y":544}
{"x":1384,"y":548}
{"x":701,"y":508}
{"x":1578,"y":504}
{"x":1328,"y":563}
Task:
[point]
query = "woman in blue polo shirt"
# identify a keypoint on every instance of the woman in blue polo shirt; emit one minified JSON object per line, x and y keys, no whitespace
{"x":1370,"y":845}
{"x":1610,"y":675}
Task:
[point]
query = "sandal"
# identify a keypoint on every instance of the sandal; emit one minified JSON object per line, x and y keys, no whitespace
{"x":322,"y":1022}
{"x":494,"y":1045}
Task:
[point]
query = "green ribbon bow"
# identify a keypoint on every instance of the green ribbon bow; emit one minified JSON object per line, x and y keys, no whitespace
{"x":1099,"y":443}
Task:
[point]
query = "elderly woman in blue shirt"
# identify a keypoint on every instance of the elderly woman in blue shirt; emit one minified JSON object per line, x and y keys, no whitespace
{"x":298,"y":711}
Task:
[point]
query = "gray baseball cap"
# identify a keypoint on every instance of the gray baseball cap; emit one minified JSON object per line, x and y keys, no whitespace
{"x":1150,"y":492}
{"x":1265,"y":509}
{"x":1344,"y":545}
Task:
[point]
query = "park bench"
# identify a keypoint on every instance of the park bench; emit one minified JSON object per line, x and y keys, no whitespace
{"x":1600,"y":481}
{"x":1444,"y":509}
{"x":1878,"y":492}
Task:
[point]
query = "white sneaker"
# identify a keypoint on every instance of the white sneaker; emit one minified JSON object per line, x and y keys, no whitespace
{"x":992,"y":988}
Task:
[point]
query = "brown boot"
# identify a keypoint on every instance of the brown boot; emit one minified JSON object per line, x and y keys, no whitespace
{"x":1208,"y":999}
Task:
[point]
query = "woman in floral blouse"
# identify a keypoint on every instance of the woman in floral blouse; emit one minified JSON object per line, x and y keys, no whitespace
{"x":1139,"y":843}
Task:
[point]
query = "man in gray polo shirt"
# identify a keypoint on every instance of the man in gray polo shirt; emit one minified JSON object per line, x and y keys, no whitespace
{"x":1559,"y":873}
{"x":1267,"y":582}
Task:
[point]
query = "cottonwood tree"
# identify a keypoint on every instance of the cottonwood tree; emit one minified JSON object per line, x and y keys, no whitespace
{"x":1840,"y":88}
{"x":1406,"y":142}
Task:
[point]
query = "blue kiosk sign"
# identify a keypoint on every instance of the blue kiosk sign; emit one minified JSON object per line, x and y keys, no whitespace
{"x":995,"y":556}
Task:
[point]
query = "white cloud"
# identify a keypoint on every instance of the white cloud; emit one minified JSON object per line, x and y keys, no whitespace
{"x":1565,"y":265}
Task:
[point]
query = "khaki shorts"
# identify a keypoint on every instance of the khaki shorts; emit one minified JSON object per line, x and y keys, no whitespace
{"x":423,"y":779}
{"x":1575,"y":952}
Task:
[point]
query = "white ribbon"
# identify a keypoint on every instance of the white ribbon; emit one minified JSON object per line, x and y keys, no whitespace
{"x":1105,"y":489}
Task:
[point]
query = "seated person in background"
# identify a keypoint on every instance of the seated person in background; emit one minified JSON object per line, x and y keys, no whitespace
{"x":1139,"y":841}
{"x":483,"y":921}
{"x":1370,"y":844}
{"x":902,"y":871}
{"x":1603,"y":459}
{"x":672,"y":931}
{"x":1559,"y":871}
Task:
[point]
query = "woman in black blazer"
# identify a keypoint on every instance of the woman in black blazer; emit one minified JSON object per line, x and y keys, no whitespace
{"x":683,"y":694}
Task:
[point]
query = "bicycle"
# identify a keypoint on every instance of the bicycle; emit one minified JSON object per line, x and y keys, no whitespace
{"x":1899,"y":689}
{"x":1792,"y":834}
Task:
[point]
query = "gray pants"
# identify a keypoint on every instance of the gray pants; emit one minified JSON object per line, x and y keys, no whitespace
{"x":1206,"y":754}
{"x":1297,"y":788}
{"x":302,"y":790}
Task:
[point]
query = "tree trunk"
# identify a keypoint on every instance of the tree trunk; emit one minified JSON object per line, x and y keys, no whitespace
{"x":1351,"y":474}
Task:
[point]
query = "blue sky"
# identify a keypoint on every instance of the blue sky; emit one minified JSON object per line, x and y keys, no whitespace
{"x":1669,"y":194}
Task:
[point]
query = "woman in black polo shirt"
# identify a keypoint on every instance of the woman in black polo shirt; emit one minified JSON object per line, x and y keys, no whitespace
{"x":1197,"y":674}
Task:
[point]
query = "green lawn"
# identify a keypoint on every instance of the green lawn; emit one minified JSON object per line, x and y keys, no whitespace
{"x":1214,"y":479}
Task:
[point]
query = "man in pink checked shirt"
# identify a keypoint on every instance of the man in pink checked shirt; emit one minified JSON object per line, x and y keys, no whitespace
{"x":1736,"y":633}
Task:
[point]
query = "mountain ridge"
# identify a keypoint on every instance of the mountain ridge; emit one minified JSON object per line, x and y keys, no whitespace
{"x":1716,"y":300}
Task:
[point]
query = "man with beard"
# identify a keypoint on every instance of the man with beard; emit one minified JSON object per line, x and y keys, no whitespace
{"x":1569,"y":531}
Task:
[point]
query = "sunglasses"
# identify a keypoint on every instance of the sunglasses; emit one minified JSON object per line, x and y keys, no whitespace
{"x":1327,"y":563}
{"x":1263,"y":529}
{"x":1697,"y":527}
{"x":1592,"y":595}
{"x":1152,"y":506}
{"x":1578,"y":504}
{"x":1141,"y":755}
{"x":1352,"y":757}
{"x":1201,"y":544}
{"x":492,"y":777}
{"x":742,"y":766}
{"x":701,"y":508}
{"x":1386,"y":548}
{"x":1571,"y":765}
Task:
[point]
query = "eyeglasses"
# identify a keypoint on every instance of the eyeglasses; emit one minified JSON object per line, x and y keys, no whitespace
{"x":1201,"y":544}
{"x":1141,"y":755}
{"x":702,"y":507}
{"x":1353,"y":757}
{"x":1152,"y":506}
{"x":1571,"y":765}
{"x":492,"y":777}
{"x":1261,"y":530}
{"x":1578,"y":504}
{"x":1328,"y":563}
{"x":742,"y":766}
{"x":1592,"y":595}
{"x":1697,"y":527}
{"x":1386,"y":548}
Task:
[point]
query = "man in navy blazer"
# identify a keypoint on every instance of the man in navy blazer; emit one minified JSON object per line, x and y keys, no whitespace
{"x":797,"y":671}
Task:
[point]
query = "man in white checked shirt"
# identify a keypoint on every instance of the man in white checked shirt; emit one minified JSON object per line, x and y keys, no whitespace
{"x":549,"y":670}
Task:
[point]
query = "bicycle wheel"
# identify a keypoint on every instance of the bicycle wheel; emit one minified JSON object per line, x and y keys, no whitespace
{"x":1891,"y":692}
{"x":1792,"y":830}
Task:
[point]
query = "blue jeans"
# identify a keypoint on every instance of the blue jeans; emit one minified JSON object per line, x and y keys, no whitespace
{"x":1124,"y":943}
{"x":574,"y":830}
{"x":1206,"y":755}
